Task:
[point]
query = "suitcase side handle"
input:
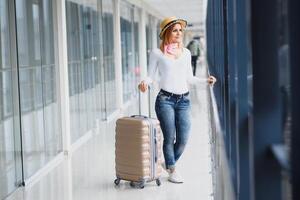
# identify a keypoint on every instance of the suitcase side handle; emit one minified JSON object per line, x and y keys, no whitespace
{"x":156,"y":153}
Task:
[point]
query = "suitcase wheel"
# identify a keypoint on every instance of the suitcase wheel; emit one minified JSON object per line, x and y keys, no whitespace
{"x":117,"y":181}
{"x":132,"y":184}
{"x":142,"y":185}
{"x":158,"y":182}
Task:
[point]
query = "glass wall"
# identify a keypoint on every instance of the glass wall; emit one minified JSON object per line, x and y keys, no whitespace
{"x":29,"y":89}
{"x":10,"y":159}
{"x":127,"y":47}
{"x":41,"y":131}
{"x":108,"y":56}
{"x":83,"y":38}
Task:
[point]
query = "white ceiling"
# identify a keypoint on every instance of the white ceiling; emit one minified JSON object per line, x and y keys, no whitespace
{"x":193,"y":11}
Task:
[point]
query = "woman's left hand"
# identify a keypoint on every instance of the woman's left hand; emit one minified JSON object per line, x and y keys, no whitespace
{"x":211,"y":80}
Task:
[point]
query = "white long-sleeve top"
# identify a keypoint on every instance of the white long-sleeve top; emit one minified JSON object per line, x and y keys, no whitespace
{"x":174,"y":74}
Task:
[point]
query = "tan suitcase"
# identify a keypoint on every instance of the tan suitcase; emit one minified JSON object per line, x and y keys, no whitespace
{"x":138,"y":150}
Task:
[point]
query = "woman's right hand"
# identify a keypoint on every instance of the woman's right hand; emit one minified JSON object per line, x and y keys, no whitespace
{"x":143,"y":86}
{"x":211,"y":80}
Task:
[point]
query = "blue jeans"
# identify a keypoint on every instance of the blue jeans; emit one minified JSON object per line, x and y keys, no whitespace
{"x":173,"y":113}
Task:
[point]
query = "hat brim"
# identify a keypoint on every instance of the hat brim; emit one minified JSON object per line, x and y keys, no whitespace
{"x":180,"y":21}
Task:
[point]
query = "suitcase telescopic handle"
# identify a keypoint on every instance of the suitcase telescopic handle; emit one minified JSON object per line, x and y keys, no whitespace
{"x":149,"y":101}
{"x":143,"y":116}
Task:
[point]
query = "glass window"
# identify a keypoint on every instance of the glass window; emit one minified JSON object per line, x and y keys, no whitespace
{"x":149,"y":37}
{"x":41,"y":131}
{"x":10,"y":159}
{"x":83,"y":40}
{"x":108,"y":56}
{"x":157,"y":33}
{"x":127,"y":48}
{"x":137,"y":17}
{"x":74,"y":34}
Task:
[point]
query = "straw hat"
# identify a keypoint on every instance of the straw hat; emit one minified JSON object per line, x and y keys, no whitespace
{"x":169,"y":21}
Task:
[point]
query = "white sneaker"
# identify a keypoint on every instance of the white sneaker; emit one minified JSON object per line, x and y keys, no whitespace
{"x":175,"y":177}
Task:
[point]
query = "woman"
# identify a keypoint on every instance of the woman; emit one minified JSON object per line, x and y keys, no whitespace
{"x":172,"y":106}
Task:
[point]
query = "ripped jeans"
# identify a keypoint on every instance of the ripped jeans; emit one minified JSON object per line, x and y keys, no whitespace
{"x":173,"y":113}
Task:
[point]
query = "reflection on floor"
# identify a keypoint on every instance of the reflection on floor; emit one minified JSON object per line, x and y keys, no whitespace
{"x":89,"y":173}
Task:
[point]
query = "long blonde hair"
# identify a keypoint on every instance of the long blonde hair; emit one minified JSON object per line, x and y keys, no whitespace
{"x":167,"y":37}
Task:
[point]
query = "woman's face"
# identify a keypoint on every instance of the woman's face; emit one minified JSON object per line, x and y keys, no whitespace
{"x":176,"y":34}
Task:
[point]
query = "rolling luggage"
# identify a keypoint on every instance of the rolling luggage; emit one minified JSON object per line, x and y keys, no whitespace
{"x":138,"y":154}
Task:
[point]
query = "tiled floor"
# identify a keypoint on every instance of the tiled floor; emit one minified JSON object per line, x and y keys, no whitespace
{"x":89,"y":173}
